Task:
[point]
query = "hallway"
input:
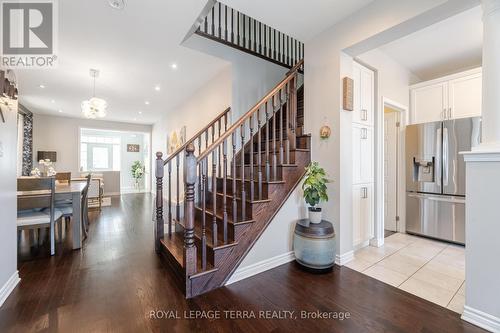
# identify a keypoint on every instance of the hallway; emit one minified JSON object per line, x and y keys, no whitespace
{"x":117,"y":280}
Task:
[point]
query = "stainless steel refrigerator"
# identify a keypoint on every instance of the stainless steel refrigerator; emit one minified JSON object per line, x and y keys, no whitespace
{"x":435,"y":177}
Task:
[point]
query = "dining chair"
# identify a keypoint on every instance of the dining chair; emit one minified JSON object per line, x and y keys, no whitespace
{"x":63,"y":177}
{"x":36,"y":210}
{"x":67,"y":209}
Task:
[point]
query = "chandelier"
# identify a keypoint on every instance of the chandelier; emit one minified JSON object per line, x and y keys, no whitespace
{"x":94,"y":107}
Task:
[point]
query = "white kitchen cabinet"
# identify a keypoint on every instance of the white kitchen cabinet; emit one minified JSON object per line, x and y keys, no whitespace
{"x":363,"y":213}
{"x":429,"y":103}
{"x":362,"y":153}
{"x":451,"y":97}
{"x":465,"y":96}
{"x":364,"y":84}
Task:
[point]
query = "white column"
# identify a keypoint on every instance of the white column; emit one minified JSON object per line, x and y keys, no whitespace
{"x":482,"y":226}
{"x":491,"y":75}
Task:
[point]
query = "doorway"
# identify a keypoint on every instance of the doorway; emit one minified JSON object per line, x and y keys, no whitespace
{"x":391,"y":144}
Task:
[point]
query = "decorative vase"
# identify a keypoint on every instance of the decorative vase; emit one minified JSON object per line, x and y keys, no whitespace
{"x":314,"y":244}
{"x":315,"y":215}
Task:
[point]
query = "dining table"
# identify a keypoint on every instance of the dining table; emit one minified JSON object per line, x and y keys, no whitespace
{"x":67,"y":191}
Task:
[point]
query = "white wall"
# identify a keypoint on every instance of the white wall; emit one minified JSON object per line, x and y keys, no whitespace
{"x":61,"y":134}
{"x":8,"y":202}
{"x":380,"y":22}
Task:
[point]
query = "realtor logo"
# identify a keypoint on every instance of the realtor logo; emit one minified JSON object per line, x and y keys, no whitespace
{"x":28,"y":34}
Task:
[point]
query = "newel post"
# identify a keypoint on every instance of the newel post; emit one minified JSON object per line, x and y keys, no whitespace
{"x":159,"y":232}
{"x":189,"y":185}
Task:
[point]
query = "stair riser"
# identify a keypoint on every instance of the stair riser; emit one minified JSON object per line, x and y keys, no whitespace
{"x":274,"y":159}
{"x":229,"y":205}
{"x":279,"y":173}
{"x":229,"y":189}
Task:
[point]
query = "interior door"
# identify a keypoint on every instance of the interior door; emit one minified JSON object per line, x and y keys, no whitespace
{"x":390,"y":170}
{"x":465,"y":96}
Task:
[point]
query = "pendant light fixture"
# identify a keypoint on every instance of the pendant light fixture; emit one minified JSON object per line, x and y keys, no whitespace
{"x":94,"y":107}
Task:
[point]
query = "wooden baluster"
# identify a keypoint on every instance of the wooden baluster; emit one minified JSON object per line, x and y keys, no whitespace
{"x":205,"y":30}
{"x":260,"y":38}
{"x":202,"y":167}
{"x":279,"y":47}
{"x":220,"y":20}
{"x":287,"y":123}
{"x":178,"y":207}
{"x":238,"y":28}
{"x":281,"y":126}
{"x":213,"y":21}
{"x":214,"y":197}
{"x":265,"y":41}
{"x":159,"y":233}
{"x":268,"y":170}
{"x":288,"y":53}
{"x":254,"y":35}
{"x":199,"y":167}
{"x":252,"y":189}
{"x":225,"y":122}
{"x":293,"y":113}
{"x":275,"y":159}
{"x":244,"y":30}
{"x":219,"y":148}
{"x":243,"y":189}
{"x":232,"y":25}
{"x":274,"y":44}
{"x":206,"y":138}
{"x":225,"y":22}
{"x":170,"y":198}
{"x":283,"y":55}
{"x":295,"y":60}
{"x":213,"y":133}
{"x":259,"y":156}
{"x":235,"y":203}
{"x":189,"y":243}
{"x":224,"y":189}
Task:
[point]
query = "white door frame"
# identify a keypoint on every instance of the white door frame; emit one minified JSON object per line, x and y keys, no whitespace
{"x":378,"y":239}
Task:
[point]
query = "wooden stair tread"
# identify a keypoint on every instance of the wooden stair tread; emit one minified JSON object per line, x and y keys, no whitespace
{"x":220,"y":217}
{"x":256,"y":180}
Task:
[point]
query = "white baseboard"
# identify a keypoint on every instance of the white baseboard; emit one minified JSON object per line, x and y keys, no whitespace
{"x":377,"y":242}
{"x":259,"y":267}
{"x":343,"y":259}
{"x":481,"y":319}
{"x":9,"y":286}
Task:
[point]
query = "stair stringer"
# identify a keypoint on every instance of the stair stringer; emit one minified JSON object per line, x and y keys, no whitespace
{"x":235,"y":255}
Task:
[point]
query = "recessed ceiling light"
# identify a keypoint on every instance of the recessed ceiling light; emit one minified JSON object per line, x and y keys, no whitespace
{"x":42,"y":86}
{"x":157,"y":88}
{"x":135,"y":119}
{"x":117,"y":4}
{"x":140,"y":112}
{"x":52,"y":101}
{"x":146,"y":102}
{"x":174,"y":66}
{"x":60,"y":111}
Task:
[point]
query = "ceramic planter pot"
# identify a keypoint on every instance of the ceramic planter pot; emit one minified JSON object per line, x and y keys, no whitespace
{"x":315,"y":215}
{"x":314,"y":244}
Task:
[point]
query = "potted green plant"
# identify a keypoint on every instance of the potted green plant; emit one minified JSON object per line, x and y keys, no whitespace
{"x":315,"y":190}
{"x":138,"y":171}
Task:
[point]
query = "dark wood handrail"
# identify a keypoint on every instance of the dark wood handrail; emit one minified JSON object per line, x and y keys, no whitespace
{"x":194,"y":137}
{"x":246,"y":116}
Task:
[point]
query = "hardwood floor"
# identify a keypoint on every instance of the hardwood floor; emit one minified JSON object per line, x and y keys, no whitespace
{"x":116,"y":281}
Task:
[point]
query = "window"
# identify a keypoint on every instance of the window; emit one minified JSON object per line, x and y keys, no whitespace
{"x":99,"y":153}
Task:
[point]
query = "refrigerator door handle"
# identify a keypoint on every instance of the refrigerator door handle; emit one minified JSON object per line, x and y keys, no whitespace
{"x":446,"y":160}
{"x":437,"y":167}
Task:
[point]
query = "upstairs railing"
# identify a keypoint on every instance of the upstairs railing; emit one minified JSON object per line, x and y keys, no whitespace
{"x":229,"y":26}
{"x":219,"y":167}
{"x":174,"y":164}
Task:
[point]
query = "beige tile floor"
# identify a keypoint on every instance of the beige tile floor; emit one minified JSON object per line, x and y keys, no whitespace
{"x":426,"y":268}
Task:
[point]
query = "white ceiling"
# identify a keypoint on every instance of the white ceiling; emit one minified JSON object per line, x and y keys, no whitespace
{"x":133,"y":48}
{"x":443,"y":48}
{"x":298,"y":18}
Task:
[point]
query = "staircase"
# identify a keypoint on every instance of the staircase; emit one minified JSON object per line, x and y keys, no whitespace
{"x":234,"y":179}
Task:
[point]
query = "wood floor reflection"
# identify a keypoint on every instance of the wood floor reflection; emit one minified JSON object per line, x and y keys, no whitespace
{"x":116,"y":280}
